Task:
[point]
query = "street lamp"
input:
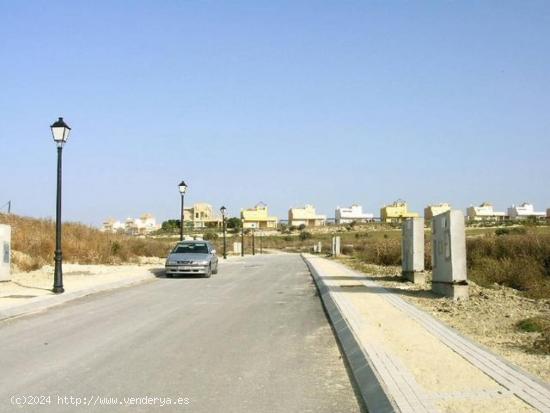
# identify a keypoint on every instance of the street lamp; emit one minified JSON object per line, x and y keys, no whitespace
{"x":223,"y":210}
{"x":182,"y":187}
{"x":60,"y":133}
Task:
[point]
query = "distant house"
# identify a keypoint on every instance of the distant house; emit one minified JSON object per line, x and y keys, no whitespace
{"x":139,"y":226}
{"x":113,"y":226}
{"x":432,"y":210}
{"x":396,"y":212}
{"x":258,"y":218}
{"x":143,"y":225}
{"x":351,"y":214}
{"x":484,"y":212}
{"x":524,"y":211}
{"x":305,"y":216}
{"x":201,"y":215}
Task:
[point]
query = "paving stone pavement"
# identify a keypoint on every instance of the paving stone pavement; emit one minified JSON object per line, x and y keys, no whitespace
{"x":422,"y":364}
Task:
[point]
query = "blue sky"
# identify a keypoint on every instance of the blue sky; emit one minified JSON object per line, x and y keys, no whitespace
{"x":285,"y":102}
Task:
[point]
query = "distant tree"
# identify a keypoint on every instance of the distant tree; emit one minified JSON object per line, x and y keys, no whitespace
{"x":172,"y":225}
{"x":234,"y":224}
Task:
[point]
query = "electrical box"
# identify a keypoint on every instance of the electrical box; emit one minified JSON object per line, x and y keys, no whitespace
{"x":5,"y":252}
{"x":412,"y":247}
{"x":237,"y":248}
{"x":449,"y":275}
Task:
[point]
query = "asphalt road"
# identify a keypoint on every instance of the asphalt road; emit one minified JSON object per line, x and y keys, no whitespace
{"x":253,"y":338}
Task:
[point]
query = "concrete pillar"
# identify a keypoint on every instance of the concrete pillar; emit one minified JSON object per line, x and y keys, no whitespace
{"x":449,"y":255}
{"x":336,"y":250}
{"x":412,"y":249}
{"x":319,"y":247}
{"x":5,"y":252}
{"x":237,"y":248}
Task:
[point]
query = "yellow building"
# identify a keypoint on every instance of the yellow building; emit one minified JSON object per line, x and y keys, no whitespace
{"x":305,"y":216}
{"x":258,"y":217}
{"x":396,"y":212}
{"x":201,"y":215}
{"x":432,"y":210}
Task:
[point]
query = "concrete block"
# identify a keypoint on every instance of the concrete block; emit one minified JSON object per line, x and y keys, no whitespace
{"x":237,"y":248}
{"x":449,"y":254}
{"x":5,"y":252}
{"x":412,"y":248}
{"x":455,"y":291}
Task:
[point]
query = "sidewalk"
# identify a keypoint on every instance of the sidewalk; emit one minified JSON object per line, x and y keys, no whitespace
{"x":404,"y":360}
{"x":31,"y":292}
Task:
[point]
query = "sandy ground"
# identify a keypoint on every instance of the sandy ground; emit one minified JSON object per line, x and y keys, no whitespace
{"x":25,"y":286}
{"x":488,"y":317}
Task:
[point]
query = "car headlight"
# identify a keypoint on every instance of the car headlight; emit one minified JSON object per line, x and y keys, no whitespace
{"x":201,"y":262}
{"x":171,"y":262}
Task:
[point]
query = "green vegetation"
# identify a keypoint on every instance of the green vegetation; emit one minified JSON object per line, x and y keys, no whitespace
{"x":537,"y":325}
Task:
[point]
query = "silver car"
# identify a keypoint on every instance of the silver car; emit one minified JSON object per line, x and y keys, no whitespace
{"x":192,"y":258}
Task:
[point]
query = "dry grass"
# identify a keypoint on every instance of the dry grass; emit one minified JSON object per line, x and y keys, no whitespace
{"x":33,"y":243}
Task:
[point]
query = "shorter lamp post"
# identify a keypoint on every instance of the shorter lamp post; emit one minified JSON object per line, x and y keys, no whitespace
{"x":182,"y":187}
{"x":223,"y":210}
{"x":60,"y":133}
{"x":242,"y":238}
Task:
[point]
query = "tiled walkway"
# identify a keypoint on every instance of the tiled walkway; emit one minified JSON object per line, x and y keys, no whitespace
{"x":422,"y":365}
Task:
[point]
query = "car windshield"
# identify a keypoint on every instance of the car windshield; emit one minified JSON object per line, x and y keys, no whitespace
{"x":192,"y":248}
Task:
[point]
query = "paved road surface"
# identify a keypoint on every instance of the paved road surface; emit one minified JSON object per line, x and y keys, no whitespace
{"x":253,"y":338}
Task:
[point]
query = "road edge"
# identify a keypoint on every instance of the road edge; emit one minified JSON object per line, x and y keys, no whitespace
{"x":371,"y":389}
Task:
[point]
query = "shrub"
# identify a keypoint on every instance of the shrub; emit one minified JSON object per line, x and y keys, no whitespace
{"x":210,"y":235}
{"x":304,"y":235}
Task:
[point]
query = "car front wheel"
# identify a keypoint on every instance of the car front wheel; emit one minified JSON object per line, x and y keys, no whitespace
{"x":208,"y":273}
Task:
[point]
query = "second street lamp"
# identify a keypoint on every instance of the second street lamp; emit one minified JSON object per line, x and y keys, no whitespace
{"x":183,"y":188}
{"x":223,"y":210}
{"x":60,"y":133}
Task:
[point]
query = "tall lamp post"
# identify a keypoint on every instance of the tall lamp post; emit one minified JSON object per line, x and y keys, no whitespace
{"x":60,"y":133}
{"x":222,"y":210}
{"x":182,"y":187}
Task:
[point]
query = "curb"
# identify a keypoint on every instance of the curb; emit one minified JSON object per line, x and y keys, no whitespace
{"x":45,"y":302}
{"x":371,"y":389}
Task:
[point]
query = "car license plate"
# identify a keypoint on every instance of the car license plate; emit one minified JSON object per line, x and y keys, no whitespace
{"x":184,"y":268}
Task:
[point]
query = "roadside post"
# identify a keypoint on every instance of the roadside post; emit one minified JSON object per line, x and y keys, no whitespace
{"x":253,"y":244}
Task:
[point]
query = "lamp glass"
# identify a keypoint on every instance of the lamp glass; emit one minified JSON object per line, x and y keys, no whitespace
{"x":182,"y":187}
{"x":60,"y":131}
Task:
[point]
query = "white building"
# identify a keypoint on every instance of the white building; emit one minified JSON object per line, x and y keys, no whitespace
{"x":484,"y":212}
{"x":113,"y":226}
{"x":138,"y":226}
{"x":353,"y":213}
{"x":524,"y":211}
